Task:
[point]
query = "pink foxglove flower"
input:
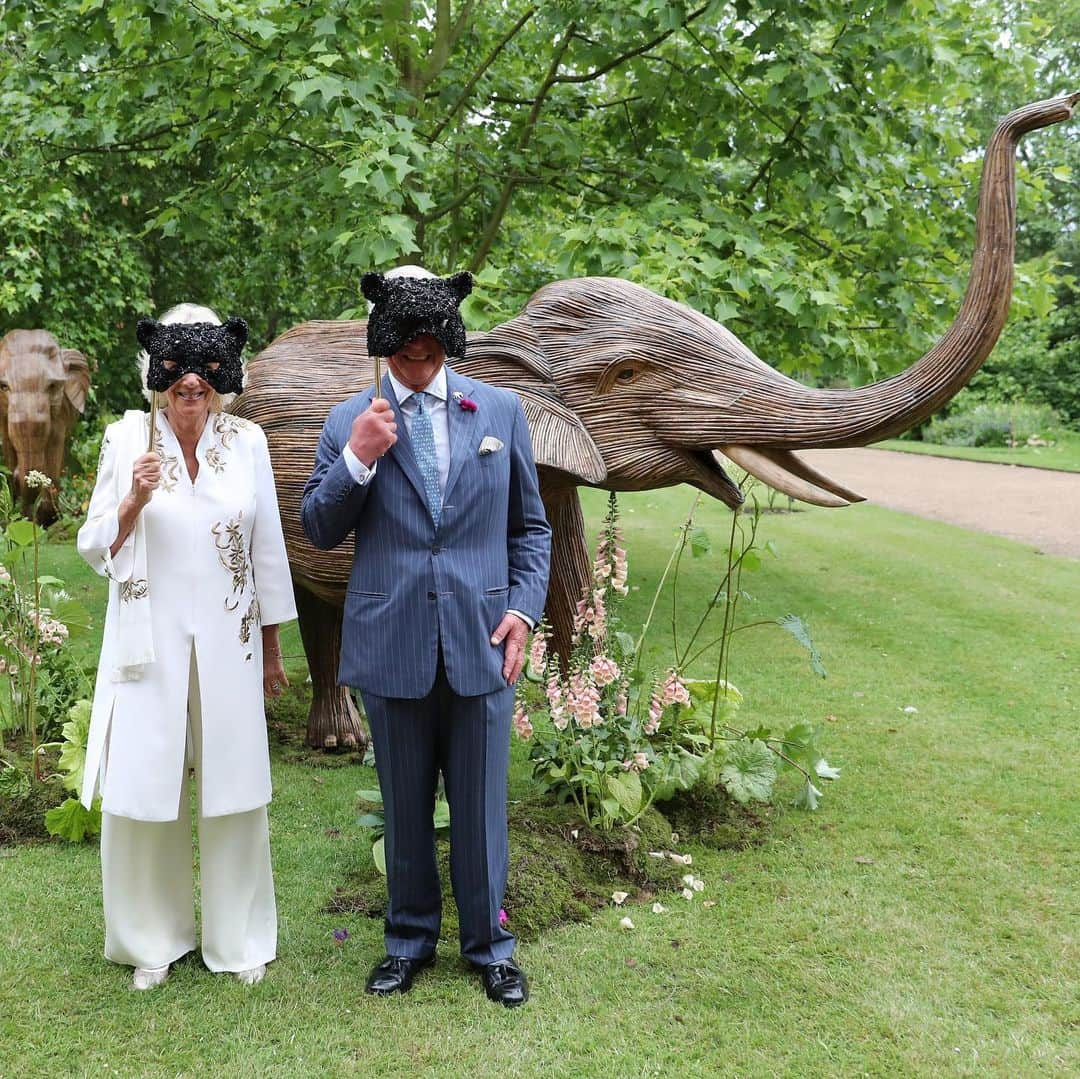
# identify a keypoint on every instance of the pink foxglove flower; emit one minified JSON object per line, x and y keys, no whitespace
{"x":604,"y":670}
{"x":656,"y":711}
{"x":641,"y":762}
{"x":504,"y":918}
{"x":621,"y":702}
{"x":673,"y":690}
{"x":538,"y":650}
{"x":522,"y":726}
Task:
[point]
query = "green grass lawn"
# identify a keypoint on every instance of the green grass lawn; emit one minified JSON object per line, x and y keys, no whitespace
{"x":922,"y":922}
{"x":1063,"y":455}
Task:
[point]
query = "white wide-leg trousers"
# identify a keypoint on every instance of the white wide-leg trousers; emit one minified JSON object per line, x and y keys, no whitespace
{"x":148,"y":887}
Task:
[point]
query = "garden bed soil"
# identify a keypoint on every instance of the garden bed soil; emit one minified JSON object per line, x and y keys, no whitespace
{"x":562,"y":870}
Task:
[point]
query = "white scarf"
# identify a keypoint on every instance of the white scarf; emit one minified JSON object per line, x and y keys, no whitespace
{"x":134,"y":643}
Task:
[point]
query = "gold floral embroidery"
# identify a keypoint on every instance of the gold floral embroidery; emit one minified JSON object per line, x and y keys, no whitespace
{"x":232,"y":554}
{"x":170,"y":465}
{"x":132,"y":590}
{"x":215,"y":460}
{"x":252,"y":618}
{"x":226,"y":425}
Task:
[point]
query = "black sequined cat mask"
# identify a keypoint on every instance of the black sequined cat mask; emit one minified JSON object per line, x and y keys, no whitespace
{"x":209,"y":351}
{"x":406,"y":307}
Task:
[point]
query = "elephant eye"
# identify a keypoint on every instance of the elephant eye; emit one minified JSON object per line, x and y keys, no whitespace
{"x":3,"y":387}
{"x":620,"y":373}
{"x":169,"y":365}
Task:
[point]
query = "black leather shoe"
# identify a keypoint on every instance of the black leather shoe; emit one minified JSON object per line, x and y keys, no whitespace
{"x":505,"y":983}
{"x":395,"y":974}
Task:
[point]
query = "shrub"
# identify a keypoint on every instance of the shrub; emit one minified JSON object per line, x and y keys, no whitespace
{"x":992,"y":425}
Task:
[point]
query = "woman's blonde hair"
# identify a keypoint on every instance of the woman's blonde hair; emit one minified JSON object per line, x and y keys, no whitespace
{"x":186,"y":314}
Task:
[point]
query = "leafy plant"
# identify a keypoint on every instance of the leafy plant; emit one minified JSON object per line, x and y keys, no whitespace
{"x":1002,"y":424}
{"x":374,"y":823}
{"x":37,"y":617}
{"x":613,"y":739}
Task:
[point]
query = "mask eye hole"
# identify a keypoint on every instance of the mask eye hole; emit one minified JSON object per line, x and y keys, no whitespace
{"x":213,"y":365}
{"x":169,"y":365}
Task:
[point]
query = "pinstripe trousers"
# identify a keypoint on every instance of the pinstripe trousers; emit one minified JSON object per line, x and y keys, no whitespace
{"x":468,"y":739}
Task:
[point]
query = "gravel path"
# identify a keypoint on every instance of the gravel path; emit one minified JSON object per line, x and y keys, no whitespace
{"x":1032,"y":505}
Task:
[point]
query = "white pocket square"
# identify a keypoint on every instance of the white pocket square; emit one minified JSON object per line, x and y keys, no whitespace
{"x":489,"y":444}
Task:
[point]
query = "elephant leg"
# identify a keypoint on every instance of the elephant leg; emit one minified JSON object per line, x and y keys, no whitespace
{"x":333,"y":722}
{"x":571,"y":567}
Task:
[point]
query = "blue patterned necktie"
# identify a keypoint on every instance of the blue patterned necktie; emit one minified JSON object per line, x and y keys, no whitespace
{"x":423,"y":442}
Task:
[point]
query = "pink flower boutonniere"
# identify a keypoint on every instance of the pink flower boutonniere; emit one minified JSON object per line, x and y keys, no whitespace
{"x":465,"y":403}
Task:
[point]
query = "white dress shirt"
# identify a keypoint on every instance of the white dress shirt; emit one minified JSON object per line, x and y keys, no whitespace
{"x":440,"y":426}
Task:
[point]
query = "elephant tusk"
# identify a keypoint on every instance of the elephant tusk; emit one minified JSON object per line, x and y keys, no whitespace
{"x":794,"y":464}
{"x":788,"y":475}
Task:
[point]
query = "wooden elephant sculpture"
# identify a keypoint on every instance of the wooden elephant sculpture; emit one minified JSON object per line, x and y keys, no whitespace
{"x":626,"y":390}
{"x":43,"y":390}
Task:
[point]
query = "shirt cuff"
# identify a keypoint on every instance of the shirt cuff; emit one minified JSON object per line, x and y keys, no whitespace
{"x":357,"y":469}
{"x":523,"y":616}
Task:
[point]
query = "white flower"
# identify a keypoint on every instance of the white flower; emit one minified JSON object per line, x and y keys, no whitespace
{"x":826,"y":770}
{"x":688,"y":880}
{"x":680,"y":859}
{"x":34,"y":478}
{"x":688,"y":893}
{"x":657,"y":854}
{"x":626,"y":924}
{"x":698,"y":885}
{"x":659,"y":908}
{"x":618,"y":898}
{"x":911,"y":710}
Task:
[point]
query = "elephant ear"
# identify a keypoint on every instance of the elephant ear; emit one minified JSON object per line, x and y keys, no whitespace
{"x":77,"y":383}
{"x":560,"y":440}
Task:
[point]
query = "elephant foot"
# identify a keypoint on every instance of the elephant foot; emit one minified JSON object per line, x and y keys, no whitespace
{"x":335,"y":724}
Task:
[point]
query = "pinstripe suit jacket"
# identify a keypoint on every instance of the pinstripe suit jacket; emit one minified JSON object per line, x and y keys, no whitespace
{"x":413,"y":586}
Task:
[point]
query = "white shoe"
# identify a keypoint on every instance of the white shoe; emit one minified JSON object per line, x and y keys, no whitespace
{"x":149,"y":978}
{"x":251,"y":977}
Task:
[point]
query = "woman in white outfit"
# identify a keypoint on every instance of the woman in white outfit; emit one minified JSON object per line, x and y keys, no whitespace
{"x":191,"y":541}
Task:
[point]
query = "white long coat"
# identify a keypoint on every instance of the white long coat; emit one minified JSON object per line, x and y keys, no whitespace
{"x":216,"y":572}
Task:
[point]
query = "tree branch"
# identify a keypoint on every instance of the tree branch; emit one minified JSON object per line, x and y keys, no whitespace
{"x":478,"y":74}
{"x":603,"y":69}
{"x":495,"y":220}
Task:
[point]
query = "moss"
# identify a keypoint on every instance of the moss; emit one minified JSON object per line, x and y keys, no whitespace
{"x":561,"y":870}
{"x":710,"y":816}
{"x":22,"y":818}
{"x":286,"y":721}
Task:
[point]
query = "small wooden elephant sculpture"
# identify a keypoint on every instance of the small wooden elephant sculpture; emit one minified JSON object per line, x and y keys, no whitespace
{"x":43,"y":390}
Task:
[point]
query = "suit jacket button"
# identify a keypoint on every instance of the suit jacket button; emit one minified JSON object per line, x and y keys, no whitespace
{"x":436,"y":550}
{"x":431,"y":595}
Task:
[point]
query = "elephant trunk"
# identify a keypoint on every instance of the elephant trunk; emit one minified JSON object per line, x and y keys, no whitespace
{"x":834,"y":418}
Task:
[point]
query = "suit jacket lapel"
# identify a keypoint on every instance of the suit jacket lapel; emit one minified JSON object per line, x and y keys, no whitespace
{"x":464,"y":429}
{"x":401,"y":451}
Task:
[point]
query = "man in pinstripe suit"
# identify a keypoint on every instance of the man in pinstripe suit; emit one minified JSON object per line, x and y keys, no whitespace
{"x":436,"y":483}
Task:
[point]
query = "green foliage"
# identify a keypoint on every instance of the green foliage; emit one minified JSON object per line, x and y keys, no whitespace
{"x":992,"y":425}
{"x":791,"y":168}
{"x":39,"y":676}
{"x":613,"y":740}
{"x":72,"y":821}
{"x":374,"y":823}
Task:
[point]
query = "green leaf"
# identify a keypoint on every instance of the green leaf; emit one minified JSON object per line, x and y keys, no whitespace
{"x":611,"y":807}
{"x":751,"y":561}
{"x":21,"y":532}
{"x":700,"y":544}
{"x":800,"y":744}
{"x":371,"y":820}
{"x":749,"y":771}
{"x":373,"y":796}
{"x":793,"y":624}
{"x":441,"y":816}
{"x":626,"y":787}
{"x":808,"y":797}
{"x":74,"y":615}
{"x":45,"y":579}
{"x":378,"y":854}
{"x":72,"y":821}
